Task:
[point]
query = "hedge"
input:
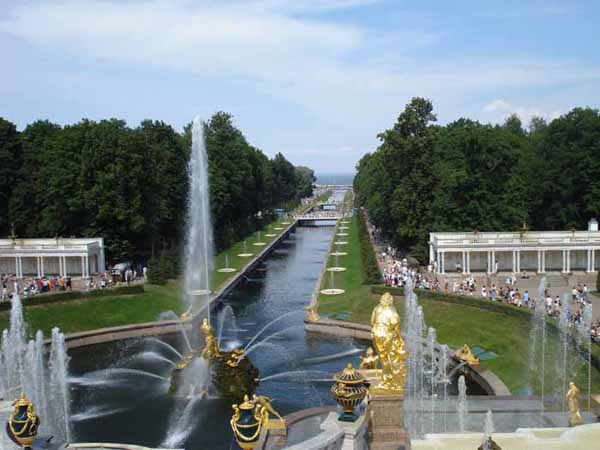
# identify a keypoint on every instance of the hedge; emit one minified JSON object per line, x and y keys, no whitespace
{"x":43,"y":299}
{"x":598,"y":282}
{"x":371,"y":272}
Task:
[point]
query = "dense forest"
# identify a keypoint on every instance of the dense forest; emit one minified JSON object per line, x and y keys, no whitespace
{"x":129,"y":185}
{"x":468,"y":176}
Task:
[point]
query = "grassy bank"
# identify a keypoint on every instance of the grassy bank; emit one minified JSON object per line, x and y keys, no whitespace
{"x":102,"y":312}
{"x":352,"y":301}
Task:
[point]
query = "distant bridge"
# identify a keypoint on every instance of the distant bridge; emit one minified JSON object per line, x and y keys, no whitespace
{"x":319,"y":215}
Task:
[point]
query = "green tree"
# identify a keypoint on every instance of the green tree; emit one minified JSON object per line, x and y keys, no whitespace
{"x":11,"y":157}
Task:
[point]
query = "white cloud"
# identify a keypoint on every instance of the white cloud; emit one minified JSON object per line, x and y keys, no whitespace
{"x":498,"y":110}
{"x":497,"y":105}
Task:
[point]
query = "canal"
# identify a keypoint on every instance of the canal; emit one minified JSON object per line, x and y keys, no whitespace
{"x":120,"y":390}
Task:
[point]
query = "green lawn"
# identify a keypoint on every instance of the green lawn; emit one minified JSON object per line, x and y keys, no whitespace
{"x":356,"y":301}
{"x":102,"y":312}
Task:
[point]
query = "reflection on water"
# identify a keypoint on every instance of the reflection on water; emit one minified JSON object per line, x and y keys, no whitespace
{"x":139,"y":412}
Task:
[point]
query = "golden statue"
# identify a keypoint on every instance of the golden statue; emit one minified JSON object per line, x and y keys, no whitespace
{"x":370,"y":360}
{"x":573,"y":401}
{"x":211,"y":347}
{"x":464,"y":354}
{"x":385,"y":330}
{"x":311,"y":314}
{"x":266,"y":403}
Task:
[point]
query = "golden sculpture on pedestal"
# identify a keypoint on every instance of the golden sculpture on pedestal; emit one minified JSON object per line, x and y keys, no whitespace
{"x":385,"y":330}
{"x":211,"y":347}
{"x":311,"y":314}
{"x":370,"y":361}
{"x":573,"y":401}
{"x":464,"y":354}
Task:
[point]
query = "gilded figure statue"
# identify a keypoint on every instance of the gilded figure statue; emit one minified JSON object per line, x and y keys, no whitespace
{"x":311,"y":314}
{"x":464,"y":354}
{"x":211,"y":347}
{"x":370,"y":360}
{"x":266,"y":402}
{"x":573,"y":401}
{"x":388,"y":342}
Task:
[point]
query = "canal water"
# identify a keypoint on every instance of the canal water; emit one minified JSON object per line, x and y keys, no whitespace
{"x":121,"y":404}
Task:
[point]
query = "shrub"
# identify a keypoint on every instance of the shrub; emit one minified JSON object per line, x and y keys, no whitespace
{"x":155,"y":271}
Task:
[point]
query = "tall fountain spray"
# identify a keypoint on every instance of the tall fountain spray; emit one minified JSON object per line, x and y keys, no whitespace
{"x":462,"y":406}
{"x":199,"y":244}
{"x":23,"y":369}
{"x":562,"y":364}
{"x":537,"y":345}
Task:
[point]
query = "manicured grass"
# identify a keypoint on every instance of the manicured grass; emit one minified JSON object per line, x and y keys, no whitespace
{"x":237,"y":262}
{"x":356,"y":301}
{"x":102,"y":312}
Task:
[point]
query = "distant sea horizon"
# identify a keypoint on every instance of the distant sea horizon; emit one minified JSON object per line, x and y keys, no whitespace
{"x":335,"y":178}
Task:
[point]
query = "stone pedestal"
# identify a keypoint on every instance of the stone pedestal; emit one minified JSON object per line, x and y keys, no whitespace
{"x":386,"y":422}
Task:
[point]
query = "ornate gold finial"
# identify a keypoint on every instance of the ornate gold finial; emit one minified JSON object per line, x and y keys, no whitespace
{"x":247,"y":422}
{"x":370,"y":361}
{"x":23,"y":423}
{"x":311,"y":314}
{"x":211,"y":347}
{"x":464,"y":354}
{"x":573,"y":401}
{"x":388,"y":342}
{"x":235,"y":357}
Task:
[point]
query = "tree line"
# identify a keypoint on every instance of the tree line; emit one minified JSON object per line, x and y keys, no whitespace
{"x":130,"y":184}
{"x":469,"y":176}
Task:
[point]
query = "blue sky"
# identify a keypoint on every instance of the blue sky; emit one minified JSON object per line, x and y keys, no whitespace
{"x":314,"y":79}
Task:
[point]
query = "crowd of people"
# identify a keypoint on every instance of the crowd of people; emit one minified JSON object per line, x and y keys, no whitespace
{"x":27,"y":287}
{"x":397,"y":271}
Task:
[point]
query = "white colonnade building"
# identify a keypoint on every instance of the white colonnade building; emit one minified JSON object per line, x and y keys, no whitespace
{"x":59,"y":256}
{"x":531,"y":251}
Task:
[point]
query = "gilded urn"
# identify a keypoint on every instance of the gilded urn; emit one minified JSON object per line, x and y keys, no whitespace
{"x":23,"y":423}
{"x":349,"y":390}
{"x":247,"y":422}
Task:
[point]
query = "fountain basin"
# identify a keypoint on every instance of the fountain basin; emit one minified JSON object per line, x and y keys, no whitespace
{"x":332,"y":291}
{"x":200,"y":292}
